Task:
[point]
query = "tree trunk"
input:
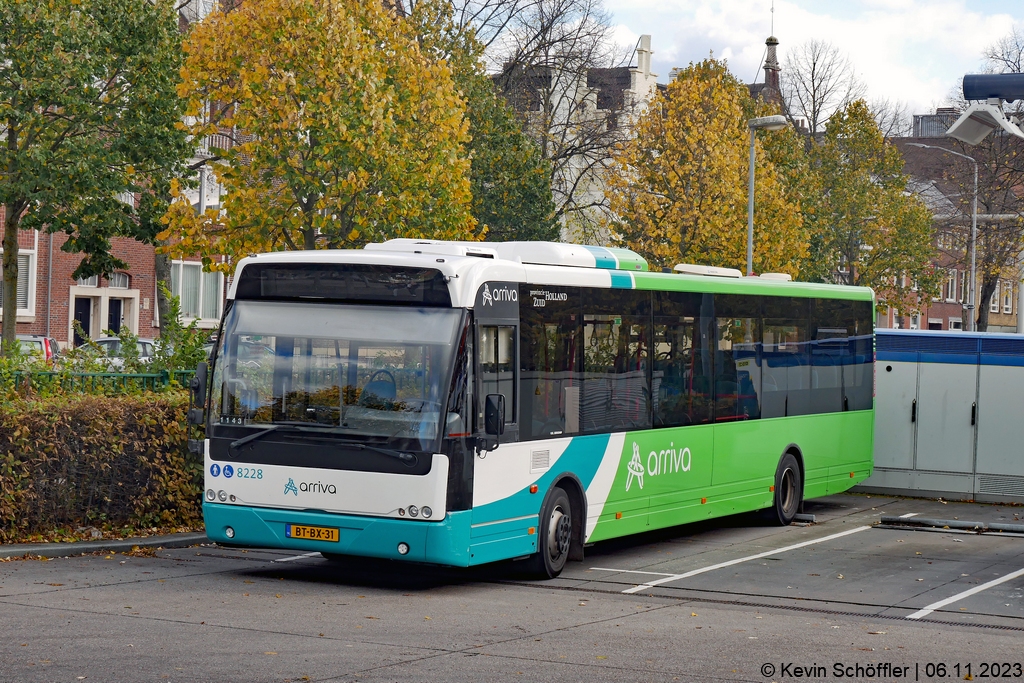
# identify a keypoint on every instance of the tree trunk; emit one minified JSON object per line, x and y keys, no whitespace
{"x":309,"y":238}
{"x":12,"y":217}
{"x":162,"y":270}
{"x":988,"y":287}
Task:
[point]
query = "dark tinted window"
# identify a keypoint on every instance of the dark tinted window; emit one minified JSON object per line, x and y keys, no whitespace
{"x":737,"y":370}
{"x":616,"y":344}
{"x":550,"y":380}
{"x":786,"y":367}
{"x":681,"y":384}
{"x":842,"y":356}
{"x":353,"y":282}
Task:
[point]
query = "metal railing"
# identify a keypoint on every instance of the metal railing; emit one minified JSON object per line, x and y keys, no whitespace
{"x":92,"y":382}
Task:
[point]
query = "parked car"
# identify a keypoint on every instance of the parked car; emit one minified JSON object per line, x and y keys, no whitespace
{"x":114,"y":356}
{"x":46,"y":348}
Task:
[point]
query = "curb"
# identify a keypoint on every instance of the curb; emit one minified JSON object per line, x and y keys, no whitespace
{"x":952,"y":524}
{"x":103,"y":545}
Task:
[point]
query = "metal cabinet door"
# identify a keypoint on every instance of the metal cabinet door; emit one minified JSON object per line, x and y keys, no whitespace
{"x":895,"y":429}
{"x":945,"y":436}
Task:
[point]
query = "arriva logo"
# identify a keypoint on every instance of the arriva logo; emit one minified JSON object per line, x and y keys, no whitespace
{"x":290,"y":487}
{"x":668,"y":461}
{"x":505,"y":294}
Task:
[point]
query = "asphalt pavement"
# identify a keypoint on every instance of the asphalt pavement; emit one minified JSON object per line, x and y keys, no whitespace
{"x":844,"y":598}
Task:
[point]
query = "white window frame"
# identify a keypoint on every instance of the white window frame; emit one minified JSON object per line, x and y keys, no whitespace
{"x":93,"y":281}
{"x":200,"y":322}
{"x":1008,"y":298}
{"x":993,"y":302}
{"x":119,"y":277}
{"x":956,"y":324}
{"x":951,"y":279}
{"x":27,"y":314}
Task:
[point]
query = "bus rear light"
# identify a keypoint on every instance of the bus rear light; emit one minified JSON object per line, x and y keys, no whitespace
{"x":414,"y":511}
{"x":401,"y":512}
{"x":403,"y":548}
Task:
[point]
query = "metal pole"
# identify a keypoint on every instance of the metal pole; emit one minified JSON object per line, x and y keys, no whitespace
{"x":974,"y":249}
{"x":750,"y":208}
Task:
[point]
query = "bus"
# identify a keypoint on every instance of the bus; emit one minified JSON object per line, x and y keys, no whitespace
{"x":463,"y":403}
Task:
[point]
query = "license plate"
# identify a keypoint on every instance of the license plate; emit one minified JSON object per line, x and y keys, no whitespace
{"x":311,"y":533}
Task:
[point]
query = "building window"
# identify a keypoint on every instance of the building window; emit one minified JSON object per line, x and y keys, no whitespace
{"x":93,"y":281}
{"x":993,"y":302}
{"x":963,"y":287}
{"x":199,"y":293}
{"x":956,"y":324}
{"x":26,"y":278}
{"x":118,"y":280}
{"x":951,"y":285}
{"x":915,"y":322}
{"x":1007,"y":298}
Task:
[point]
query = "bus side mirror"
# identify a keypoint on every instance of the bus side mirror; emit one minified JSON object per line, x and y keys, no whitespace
{"x":494,"y":414}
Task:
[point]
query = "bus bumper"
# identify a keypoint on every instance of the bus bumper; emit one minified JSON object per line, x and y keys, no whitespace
{"x":443,"y":542}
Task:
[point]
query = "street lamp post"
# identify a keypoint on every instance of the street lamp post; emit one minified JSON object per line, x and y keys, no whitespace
{"x":974,"y":231}
{"x":760,"y":123}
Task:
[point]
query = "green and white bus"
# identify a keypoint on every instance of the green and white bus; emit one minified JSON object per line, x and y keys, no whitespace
{"x":462,"y":403}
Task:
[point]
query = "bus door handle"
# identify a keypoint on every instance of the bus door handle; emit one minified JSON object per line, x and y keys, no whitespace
{"x":974,"y":413}
{"x":913,"y":411}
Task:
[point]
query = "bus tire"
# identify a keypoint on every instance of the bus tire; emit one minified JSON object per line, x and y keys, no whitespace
{"x":789,"y":491}
{"x":554,"y":536}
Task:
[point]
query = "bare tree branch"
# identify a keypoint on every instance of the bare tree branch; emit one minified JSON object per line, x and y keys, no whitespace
{"x":818,"y":80}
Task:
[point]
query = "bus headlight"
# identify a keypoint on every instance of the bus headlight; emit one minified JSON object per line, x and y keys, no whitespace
{"x":403,"y":548}
{"x":426,"y":512}
{"x":211,"y":495}
{"x":222,"y":496}
{"x":229,"y":532}
{"x":413,"y":511}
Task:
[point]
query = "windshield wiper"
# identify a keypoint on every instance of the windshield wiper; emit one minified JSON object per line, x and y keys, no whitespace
{"x":408,"y":458}
{"x":252,"y":437}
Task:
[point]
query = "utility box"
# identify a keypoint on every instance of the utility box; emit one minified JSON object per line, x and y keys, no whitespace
{"x":949,"y":415}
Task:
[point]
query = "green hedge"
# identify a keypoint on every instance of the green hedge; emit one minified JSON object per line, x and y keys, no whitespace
{"x":102,"y":461}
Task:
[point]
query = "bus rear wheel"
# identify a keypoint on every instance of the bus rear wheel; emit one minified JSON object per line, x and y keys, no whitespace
{"x":789,"y":490}
{"x":554,"y":536}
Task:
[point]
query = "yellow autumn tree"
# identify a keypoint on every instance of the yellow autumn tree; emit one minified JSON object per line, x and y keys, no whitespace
{"x":341,"y":131}
{"x":679,"y":187}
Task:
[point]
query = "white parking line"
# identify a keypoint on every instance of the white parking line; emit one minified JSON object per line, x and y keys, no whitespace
{"x":297,"y":557}
{"x":908,"y":515}
{"x":628,"y":571}
{"x":966,"y":594}
{"x":676,"y":577}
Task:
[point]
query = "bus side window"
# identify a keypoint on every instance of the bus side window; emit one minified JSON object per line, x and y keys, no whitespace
{"x":497,"y":366}
{"x":681,"y":386}
{"x":786,"y":371}
{"x":550,"y":330}
{"x":737,"y":361}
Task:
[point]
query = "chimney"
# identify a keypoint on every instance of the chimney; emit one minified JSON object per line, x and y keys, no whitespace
{"x":771,"y":65}
{"x":643,"y":55}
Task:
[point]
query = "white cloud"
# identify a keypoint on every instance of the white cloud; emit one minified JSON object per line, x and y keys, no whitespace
{"x":913,"y":50}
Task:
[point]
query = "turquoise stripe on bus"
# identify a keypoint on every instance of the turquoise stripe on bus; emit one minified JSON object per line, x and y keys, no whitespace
{"x":581,"y":457}
{"x":622,"y":280}
{"x":603,"y":257}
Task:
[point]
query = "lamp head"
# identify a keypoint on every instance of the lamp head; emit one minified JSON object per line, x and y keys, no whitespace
{"x":768,"y":123}
{"x":975,"y":124}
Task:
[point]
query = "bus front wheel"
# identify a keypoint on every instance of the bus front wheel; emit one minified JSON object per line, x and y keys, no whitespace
{"x":554,"y":536}
{"x":789,"y":490}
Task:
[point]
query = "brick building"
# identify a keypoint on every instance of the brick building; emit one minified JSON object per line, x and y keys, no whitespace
{"x":49,"y":299}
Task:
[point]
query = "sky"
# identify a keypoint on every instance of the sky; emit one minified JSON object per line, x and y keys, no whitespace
{"x":910,"y":50}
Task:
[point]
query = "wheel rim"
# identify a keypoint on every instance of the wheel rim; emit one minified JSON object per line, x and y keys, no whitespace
{"x":788,"y":492}
{"x":559,"y":533}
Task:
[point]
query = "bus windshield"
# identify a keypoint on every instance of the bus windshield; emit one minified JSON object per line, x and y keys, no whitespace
{"x":363,"y":371}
